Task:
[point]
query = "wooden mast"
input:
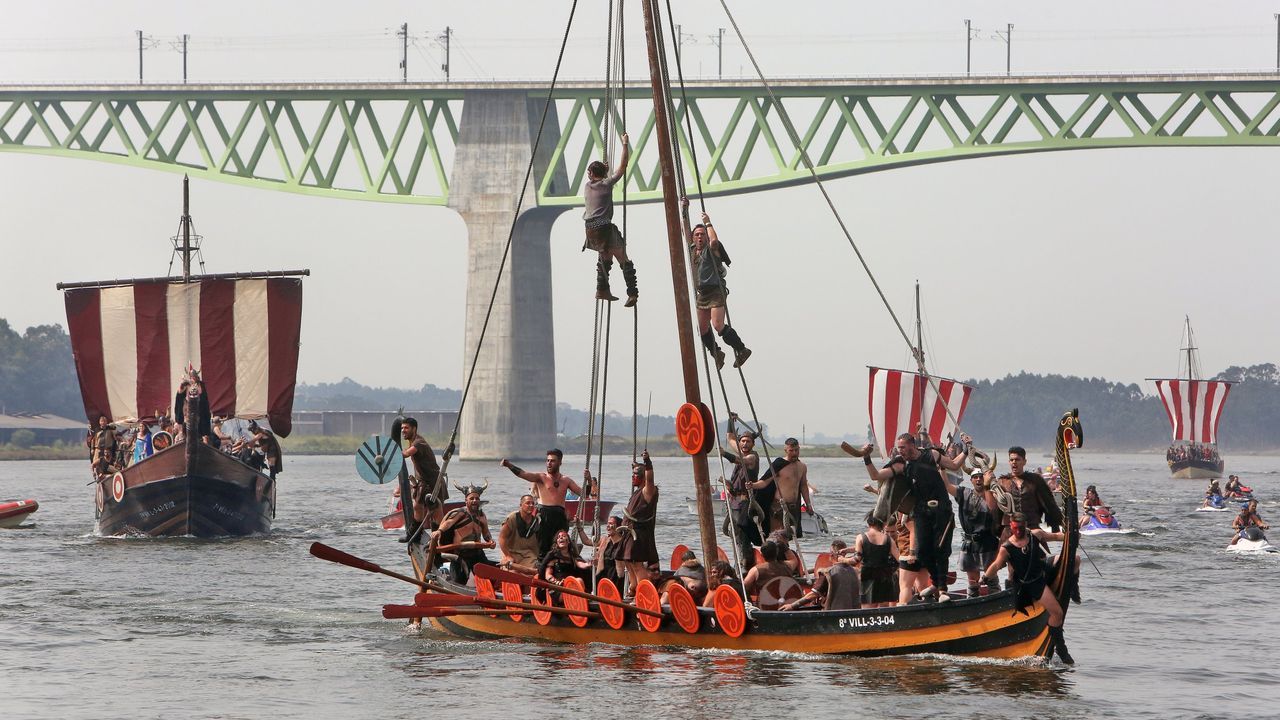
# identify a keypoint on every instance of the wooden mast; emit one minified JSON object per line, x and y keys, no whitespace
{"x":186,"y":229}
{"x":679,"y":279}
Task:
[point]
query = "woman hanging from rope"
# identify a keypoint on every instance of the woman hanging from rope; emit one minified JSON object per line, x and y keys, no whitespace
{"x":602,"y":235}
{"x":709,"y":261}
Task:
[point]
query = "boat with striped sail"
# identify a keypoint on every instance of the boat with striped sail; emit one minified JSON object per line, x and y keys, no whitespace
{"x":134,"y":342}
{"x":1194,"y":409}
{"x":505,"y":604}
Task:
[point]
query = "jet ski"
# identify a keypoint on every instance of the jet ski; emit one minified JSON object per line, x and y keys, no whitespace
{"x":1101,"y":521}
{"x":1217,"y":503}
{"x":1253,"y":541}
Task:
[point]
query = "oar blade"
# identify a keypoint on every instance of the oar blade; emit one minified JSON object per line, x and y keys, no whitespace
{"x":413,"y":612}
{"x":324,"y":552}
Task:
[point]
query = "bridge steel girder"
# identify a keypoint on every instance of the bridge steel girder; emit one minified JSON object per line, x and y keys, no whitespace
{"x":396,"y":142}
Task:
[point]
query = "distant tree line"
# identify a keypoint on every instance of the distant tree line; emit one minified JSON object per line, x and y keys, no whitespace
{"x":37,"y":375}
{"x":347,"y":394}
{"x":1024,"y":409}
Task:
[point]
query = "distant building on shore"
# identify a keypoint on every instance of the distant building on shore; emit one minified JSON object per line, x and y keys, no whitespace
{"x":369,"y":422}
{"x":46,"y":428}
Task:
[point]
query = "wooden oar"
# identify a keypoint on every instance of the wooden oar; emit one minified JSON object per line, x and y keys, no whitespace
{"x":453,"y":600}
{"x":324,"y":552}
{"x":493,"y":573}
{"x":401,"y":612}
{"x":464,"y":545}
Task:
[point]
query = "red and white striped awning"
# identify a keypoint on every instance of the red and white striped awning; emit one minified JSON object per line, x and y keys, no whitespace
{"x":898,"y":401}
{"x":133,"y":341}
{"x":1194,"y":407}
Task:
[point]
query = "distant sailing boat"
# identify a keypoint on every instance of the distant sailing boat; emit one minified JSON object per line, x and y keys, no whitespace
{"x":1194,"y":407}
{"x":135,"y":340}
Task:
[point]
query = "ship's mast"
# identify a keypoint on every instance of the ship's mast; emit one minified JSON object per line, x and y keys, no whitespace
{"x":186,"y":229}
{"x":1193,"y":372}
{"x":919,"y":349}
{"x":186,"y":243}
{"x":679,"y":278}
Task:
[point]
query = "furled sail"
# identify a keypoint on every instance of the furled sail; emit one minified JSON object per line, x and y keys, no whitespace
{"x":133,"y":339}
{"x":1194,"y":407}
{"x":899,"y":401}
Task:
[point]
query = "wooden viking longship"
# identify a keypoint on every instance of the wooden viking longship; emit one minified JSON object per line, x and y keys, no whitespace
{"x":1194,"y":408}
{"x":503,"y":604}
{"x":135,"y":340}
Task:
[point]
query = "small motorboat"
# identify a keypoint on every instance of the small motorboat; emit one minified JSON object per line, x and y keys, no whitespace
{"x":1101,"y":521}
{"x":13,"y":513}
{"x":1252,"y":540}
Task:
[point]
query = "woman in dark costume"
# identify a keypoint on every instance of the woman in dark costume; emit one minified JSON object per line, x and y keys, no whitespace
{"x":563,"y":561}
{"x":638,"y":548}
{"x":1033,"y":569}
{"x":879,"y":565}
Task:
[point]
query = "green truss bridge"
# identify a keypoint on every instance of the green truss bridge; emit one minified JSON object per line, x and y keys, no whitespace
{"x":466,"y":146}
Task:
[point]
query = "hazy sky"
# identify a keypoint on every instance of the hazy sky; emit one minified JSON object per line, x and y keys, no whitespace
{"x":1078,"y":263}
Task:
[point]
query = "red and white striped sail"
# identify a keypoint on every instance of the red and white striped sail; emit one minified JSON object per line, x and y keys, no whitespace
{"x":898,"y":401}
{"x":132,"y":342}
{"x":1194,"y":407}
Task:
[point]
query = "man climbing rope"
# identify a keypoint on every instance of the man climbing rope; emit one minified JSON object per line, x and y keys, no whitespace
{"x":709,"y":261}
{"x":602,"y":235}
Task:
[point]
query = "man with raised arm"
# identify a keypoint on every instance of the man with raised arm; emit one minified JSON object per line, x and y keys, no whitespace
{"x":602,"y":235}
{"x":932,"y":516}
{"x":746,"y":534}
{"x":709,"y":261}
{"x":549,"y":488}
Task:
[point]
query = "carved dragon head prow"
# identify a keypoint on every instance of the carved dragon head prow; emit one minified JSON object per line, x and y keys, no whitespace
{"x":1070,"y":435}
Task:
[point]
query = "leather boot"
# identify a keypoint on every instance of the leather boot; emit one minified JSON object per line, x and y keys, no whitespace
{"x":709,"y":342}
{"x":740,"y":351}
{"x":602,"y":280}
{"x":629,"y":275}
{"x":1058,"y":643}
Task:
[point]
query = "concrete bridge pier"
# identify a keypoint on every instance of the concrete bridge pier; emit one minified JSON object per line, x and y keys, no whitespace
{"x":511,"y":409}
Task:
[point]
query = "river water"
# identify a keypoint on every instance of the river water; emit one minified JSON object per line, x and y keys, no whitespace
{"x":94,"y":627}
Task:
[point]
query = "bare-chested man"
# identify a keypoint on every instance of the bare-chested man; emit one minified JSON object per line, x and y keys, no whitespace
{"x":518,"y":538}
{"x":549,"y":488}
{"x":791,"y":477}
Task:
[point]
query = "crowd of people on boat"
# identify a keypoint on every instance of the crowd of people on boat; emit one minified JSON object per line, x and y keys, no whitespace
{"x":114,"y":446}
{"x":1192,"y":453}
{"x":901,"y":557}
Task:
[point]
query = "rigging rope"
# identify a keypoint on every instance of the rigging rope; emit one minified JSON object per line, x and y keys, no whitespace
{"x":759,"y":427}
{"x":808,"y":163}
{"x":502,"y":265}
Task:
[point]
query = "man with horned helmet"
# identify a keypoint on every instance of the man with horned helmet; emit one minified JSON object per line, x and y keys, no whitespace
{"x":549,"y":488}
{"x":467,"y":528}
